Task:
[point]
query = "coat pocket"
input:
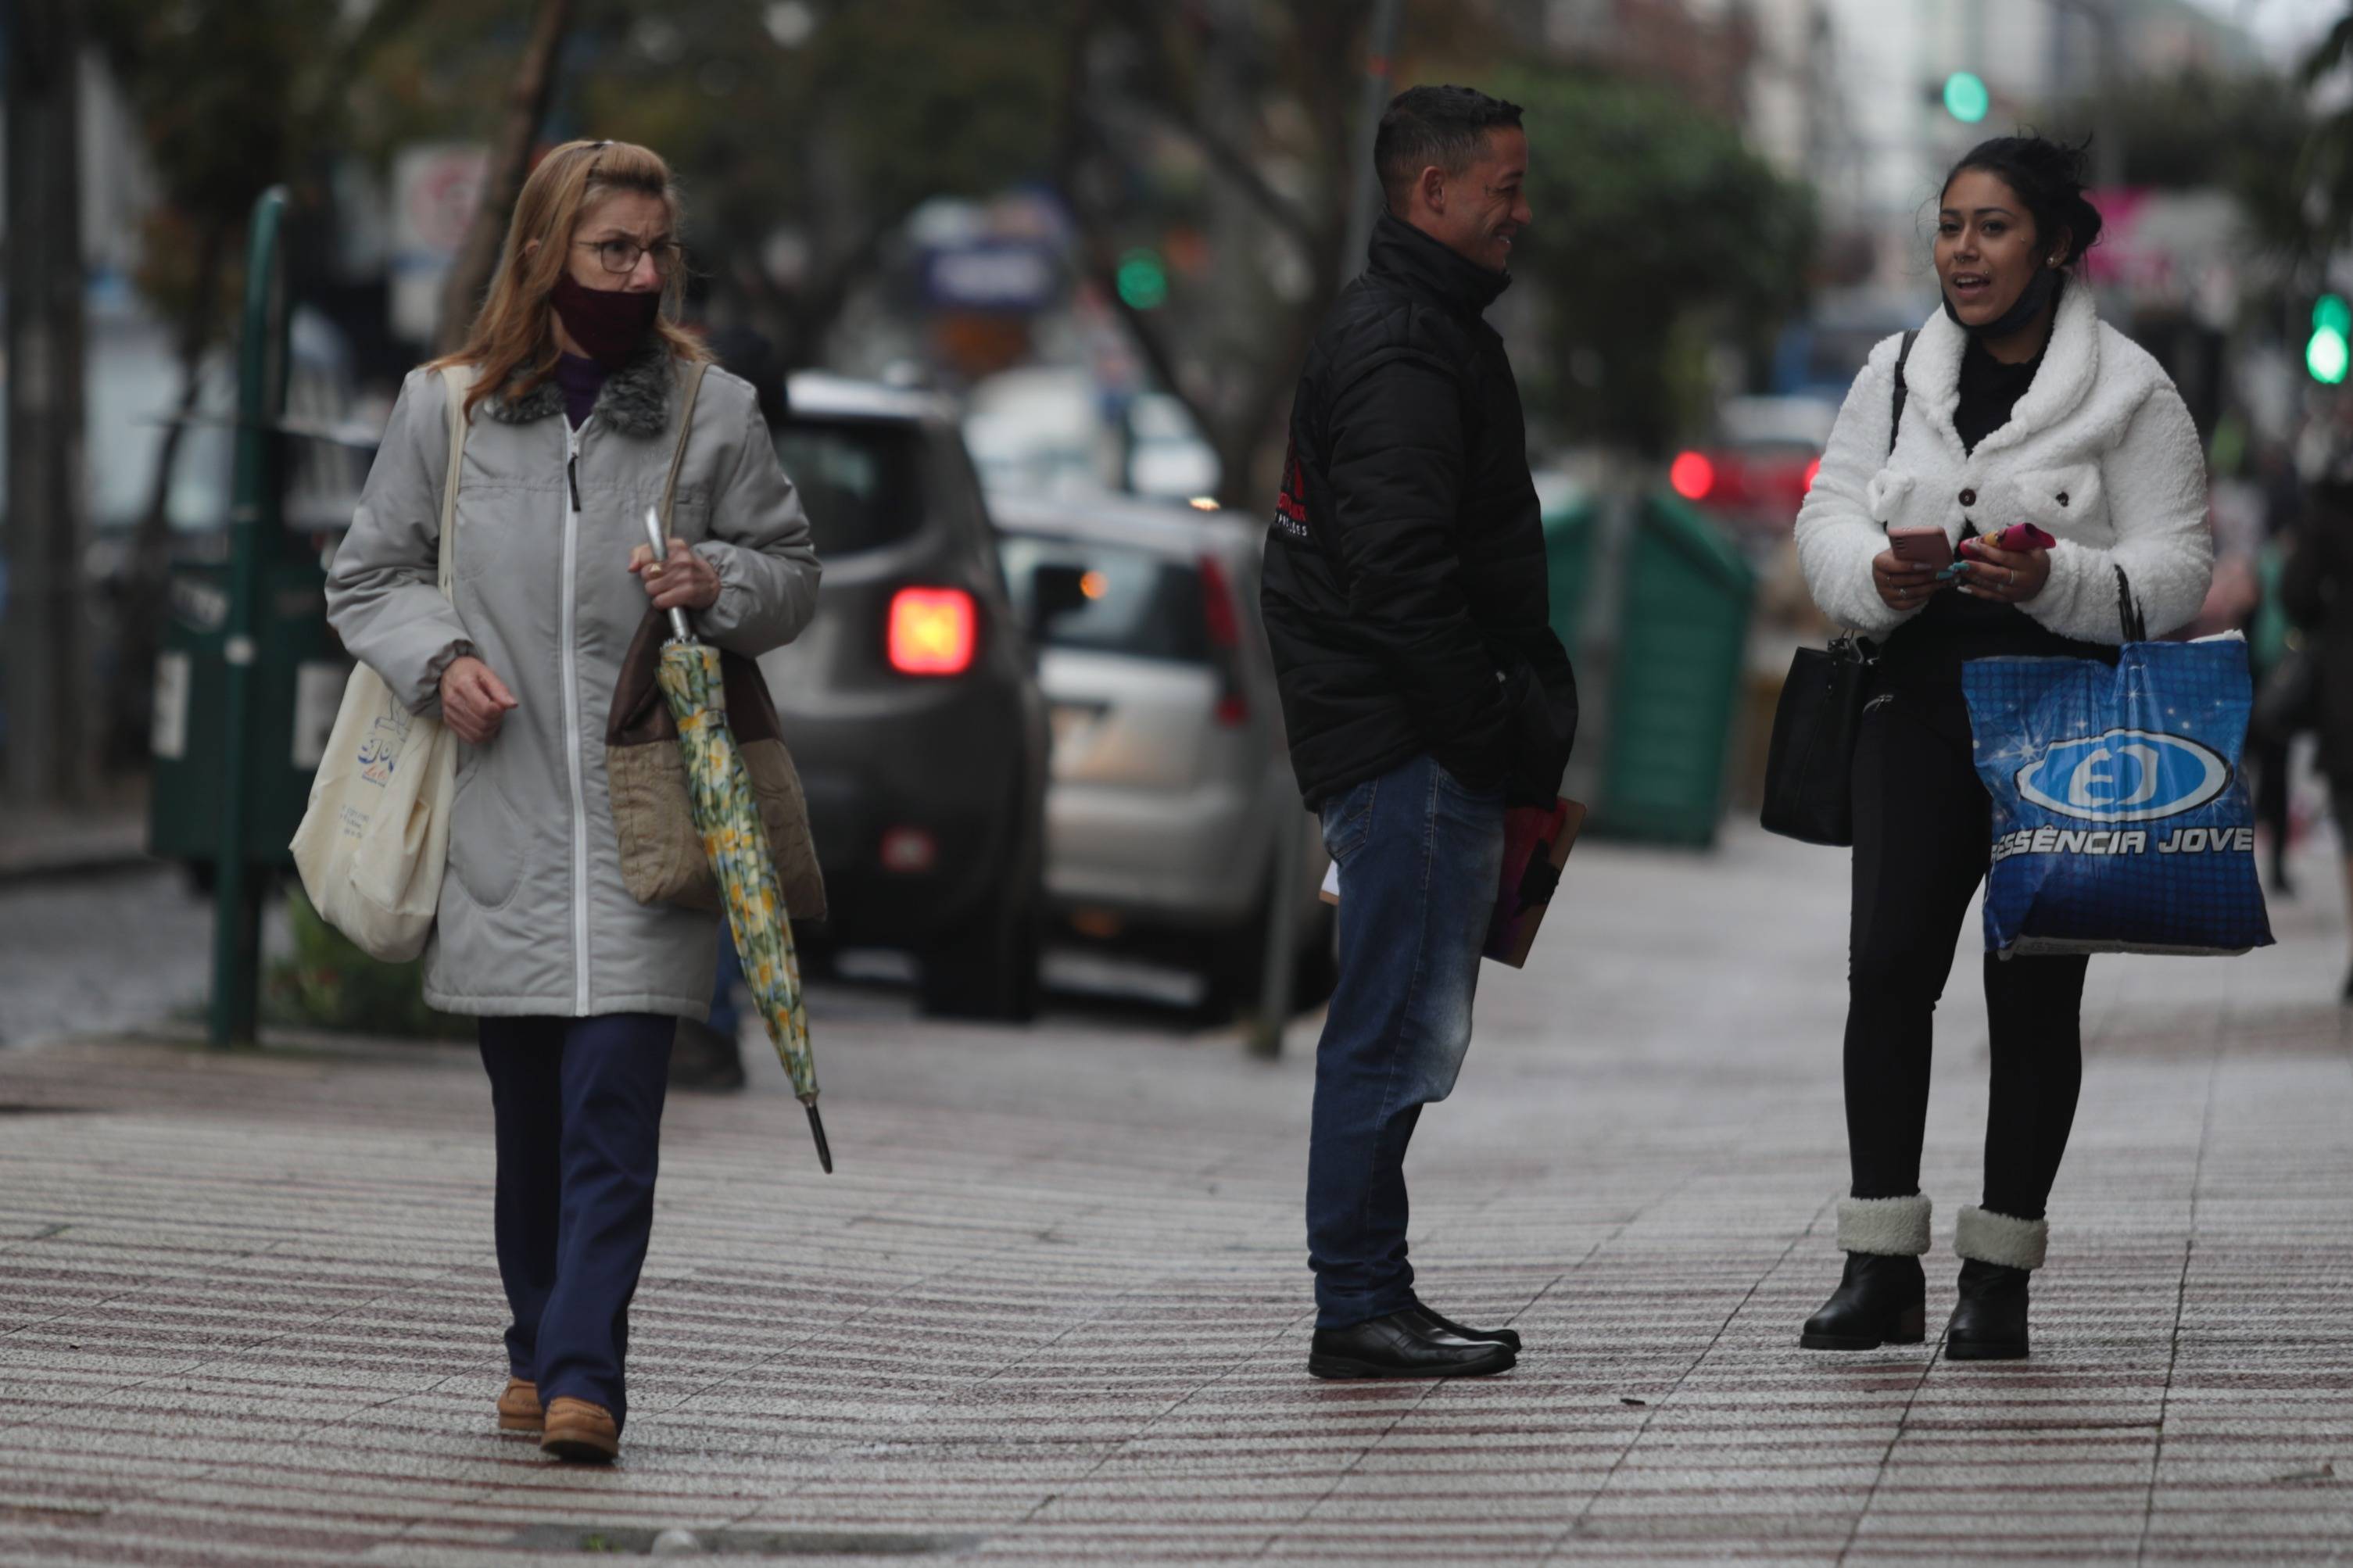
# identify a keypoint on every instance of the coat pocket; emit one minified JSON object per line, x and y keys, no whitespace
{"x":1886,"y":493}
{"x":2062,"y":501}
{"x":487,"y":842}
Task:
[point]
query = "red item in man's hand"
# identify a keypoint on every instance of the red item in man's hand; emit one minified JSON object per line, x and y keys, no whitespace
{"x":1536,"y":842}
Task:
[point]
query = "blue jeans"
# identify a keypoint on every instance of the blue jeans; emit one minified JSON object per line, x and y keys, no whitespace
{"x":725,"y":1018}
{"x":577,"y":1103}
{"x":1419,"y":854}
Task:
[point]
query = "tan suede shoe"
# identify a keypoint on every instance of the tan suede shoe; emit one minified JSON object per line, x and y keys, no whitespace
{"x":519,"y":1408}
{"x":579,"y":1430}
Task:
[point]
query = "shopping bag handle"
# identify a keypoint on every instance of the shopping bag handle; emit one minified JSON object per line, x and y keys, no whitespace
{"x":2128,"y":616}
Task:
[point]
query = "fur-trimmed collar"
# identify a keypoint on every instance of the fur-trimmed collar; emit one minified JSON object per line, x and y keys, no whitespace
{"x":635,"y":399}
{"x":2069,"y":365}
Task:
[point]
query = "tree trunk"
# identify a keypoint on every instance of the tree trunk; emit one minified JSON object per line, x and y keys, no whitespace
{"x":148,"y":573}
{"x":478,"y":256}
{"x":47,"y":493}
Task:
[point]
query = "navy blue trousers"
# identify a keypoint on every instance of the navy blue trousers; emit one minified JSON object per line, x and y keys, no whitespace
{"x":1419,"y":854}
{"x":578,"y":1104}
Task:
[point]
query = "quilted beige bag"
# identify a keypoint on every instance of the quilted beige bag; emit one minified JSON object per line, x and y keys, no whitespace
{"x":662,"y":860}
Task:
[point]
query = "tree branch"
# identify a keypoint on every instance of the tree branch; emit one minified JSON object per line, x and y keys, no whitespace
{"x":478,"y":256}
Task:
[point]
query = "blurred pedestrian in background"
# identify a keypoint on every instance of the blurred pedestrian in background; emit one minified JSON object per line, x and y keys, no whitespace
{"x":573,"y":422}
{"x":1422,"y":690}
{"x":2020,"y":406}
{"x":2317,"y":587}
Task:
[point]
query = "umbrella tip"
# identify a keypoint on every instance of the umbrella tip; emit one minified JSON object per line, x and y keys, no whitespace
{"x":817,"y":1131}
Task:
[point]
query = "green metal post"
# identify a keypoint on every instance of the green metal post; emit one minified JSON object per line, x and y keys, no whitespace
{"x":254,"y":518}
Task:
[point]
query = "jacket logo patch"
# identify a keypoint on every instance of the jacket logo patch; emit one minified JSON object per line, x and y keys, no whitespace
{"x":1291,"y":502}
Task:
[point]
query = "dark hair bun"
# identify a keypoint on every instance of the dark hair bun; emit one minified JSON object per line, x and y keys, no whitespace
{"x":2049,"y":177}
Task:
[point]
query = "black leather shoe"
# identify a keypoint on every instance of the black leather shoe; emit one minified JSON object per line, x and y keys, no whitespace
{"x":1880,"y":1300}
{"x":1509,"y":1337}
{"x":1404,"y":1344}
{"x":1990,"y":1323}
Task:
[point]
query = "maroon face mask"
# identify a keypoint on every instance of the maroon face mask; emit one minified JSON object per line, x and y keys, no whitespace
{"x":610,"y":323}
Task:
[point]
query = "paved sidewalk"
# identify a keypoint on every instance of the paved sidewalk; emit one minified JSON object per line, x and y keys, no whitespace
{"x":1053,"y":1309}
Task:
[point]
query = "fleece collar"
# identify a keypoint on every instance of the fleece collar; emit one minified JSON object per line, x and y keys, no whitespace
{"x":2071,"y":364}
{"x":635,"y":400}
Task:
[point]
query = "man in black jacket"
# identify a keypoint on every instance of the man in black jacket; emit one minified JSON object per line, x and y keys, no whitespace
{"x":1422,"y":688}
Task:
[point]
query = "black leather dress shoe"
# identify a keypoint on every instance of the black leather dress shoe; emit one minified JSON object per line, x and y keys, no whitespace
{"x":1880,"y":1300}
{"x":1403,"y":1344}
{"x":1510,"y":1337}
{"x":1990,"y":1323}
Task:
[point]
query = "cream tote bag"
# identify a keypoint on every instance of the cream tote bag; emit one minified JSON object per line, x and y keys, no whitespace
{"x":376,"y":836}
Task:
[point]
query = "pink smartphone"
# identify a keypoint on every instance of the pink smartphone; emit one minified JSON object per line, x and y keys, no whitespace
{"x":1920,"y":546}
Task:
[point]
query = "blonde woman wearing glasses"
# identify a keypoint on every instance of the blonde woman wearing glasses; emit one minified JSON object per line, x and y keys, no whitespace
{"x":579,"y":378}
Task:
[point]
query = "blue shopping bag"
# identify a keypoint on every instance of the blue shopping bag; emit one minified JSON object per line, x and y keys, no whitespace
{"x":2121,"y":822}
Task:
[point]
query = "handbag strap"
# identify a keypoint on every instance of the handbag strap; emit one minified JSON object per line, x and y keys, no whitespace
{"x":1895,"y":420}
{"x":2134,"y":625}
{"x":456,"y":380}
{"x":685,"y":428}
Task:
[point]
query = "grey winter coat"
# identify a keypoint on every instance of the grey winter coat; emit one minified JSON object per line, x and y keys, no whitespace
{"x":535,"y":918}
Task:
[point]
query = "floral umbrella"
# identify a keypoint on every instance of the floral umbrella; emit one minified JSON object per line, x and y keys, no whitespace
{"x":727,"y":815}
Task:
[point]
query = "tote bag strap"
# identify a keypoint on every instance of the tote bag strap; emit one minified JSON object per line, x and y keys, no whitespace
{"x":685,"y":428}
{"x":456,"y":380}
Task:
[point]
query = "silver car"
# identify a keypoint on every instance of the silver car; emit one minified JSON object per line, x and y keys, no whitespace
{"x":1171,"y":791}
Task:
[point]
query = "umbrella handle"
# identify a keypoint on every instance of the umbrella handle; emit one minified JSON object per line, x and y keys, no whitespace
{"x":677,"y":622}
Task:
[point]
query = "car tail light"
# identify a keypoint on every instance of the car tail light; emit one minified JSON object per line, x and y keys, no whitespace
{"x":933,"y":631}
{"x":1222,"y":619}
{"x":1813,"y":472}
{"x":1692,"y":475}
{"x":909,"y":850}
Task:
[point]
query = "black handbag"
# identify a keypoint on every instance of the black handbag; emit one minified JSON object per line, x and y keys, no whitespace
{"x":1808,"y":770}
{"x":1809,"y":765}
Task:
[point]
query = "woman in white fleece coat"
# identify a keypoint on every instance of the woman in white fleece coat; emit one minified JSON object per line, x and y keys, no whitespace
{"x":2020,"y":406}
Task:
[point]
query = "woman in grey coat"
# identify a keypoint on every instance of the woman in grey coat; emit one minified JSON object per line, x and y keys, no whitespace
{"x":572,"y":419}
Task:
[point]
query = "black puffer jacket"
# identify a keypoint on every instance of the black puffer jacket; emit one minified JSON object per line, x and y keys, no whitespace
{"x":1405,"y":571}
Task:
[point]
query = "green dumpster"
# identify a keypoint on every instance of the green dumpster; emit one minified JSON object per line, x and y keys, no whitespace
{"x":1570,"y":529}
{"x":298,"y":674}
{"x":1682,"y":635}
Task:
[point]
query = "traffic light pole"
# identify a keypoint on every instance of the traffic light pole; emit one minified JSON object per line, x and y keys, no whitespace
{"x":254,"y":517}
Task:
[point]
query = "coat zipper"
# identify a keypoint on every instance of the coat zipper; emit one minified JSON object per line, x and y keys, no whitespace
{"x":569,"y":615}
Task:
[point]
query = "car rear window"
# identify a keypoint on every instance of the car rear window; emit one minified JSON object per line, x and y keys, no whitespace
{"x":862,"y":480}
{"x":1138,"y":603}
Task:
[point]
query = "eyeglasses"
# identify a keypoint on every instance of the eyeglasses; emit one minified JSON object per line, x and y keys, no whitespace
{"x":619,"y":257}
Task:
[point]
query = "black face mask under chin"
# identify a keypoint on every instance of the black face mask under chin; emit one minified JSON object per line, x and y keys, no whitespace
{"x":2030,"y":299}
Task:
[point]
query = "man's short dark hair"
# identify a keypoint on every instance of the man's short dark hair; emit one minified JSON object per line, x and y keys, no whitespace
{"x":1445,"y":126}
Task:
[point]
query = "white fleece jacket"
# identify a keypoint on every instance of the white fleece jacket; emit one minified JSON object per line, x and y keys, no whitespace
{"x":2100,"y":453}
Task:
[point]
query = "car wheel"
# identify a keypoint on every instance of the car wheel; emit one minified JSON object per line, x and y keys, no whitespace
{"x":1318,"y":973}
{"x":988,"y":968}
{"x":1234,"y":965}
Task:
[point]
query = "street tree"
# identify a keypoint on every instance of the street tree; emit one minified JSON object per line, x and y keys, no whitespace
{"x":231,"y":97}
{"x":1659,"y":236}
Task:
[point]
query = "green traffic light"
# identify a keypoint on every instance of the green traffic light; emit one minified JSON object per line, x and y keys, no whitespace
{"x":2330,"y":313}
{"x":2328,"y":356}
{"x":1142,"y":280}
{"x":1967,"y":98}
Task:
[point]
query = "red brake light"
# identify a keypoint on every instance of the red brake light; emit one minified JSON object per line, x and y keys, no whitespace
{"x":1692,"y":475}
{"x":1813,"y":472}
{"x":933,"y":631}
{"x":1223,"y":623}
{"x":1218,"y":606}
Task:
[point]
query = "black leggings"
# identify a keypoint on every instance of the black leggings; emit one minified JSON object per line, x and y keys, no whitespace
{"x":1921,"y":827}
